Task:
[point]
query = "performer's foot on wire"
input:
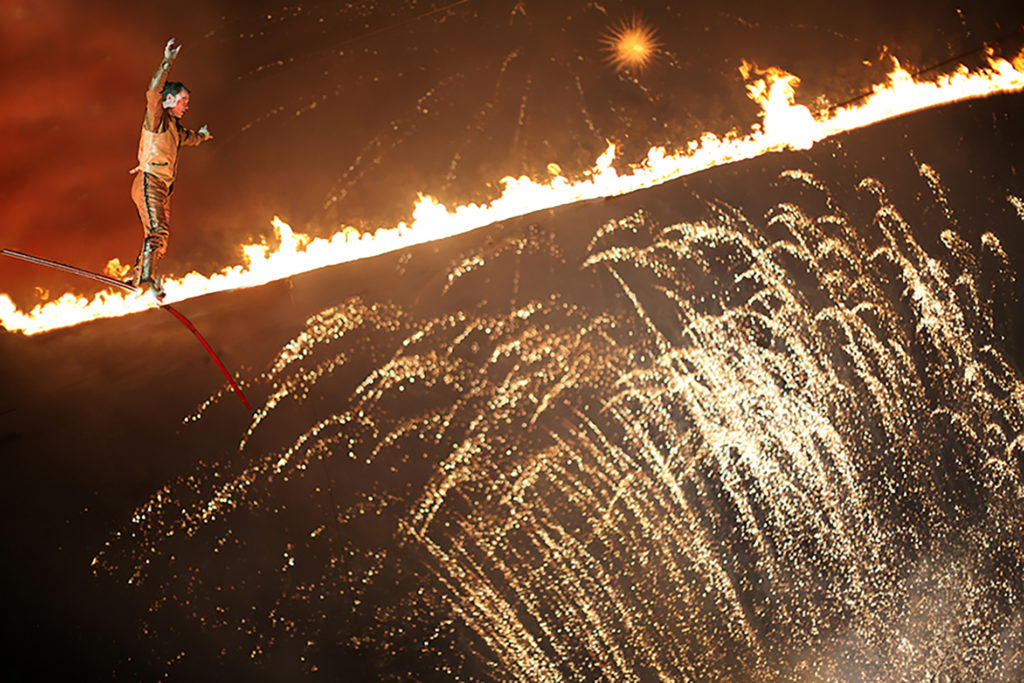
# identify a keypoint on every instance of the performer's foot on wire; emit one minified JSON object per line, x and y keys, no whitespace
{"x":156,"y":284}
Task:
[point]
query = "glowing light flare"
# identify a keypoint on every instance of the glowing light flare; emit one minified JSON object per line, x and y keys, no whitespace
{"x":784,"y":125}
{"x":631,"y":45}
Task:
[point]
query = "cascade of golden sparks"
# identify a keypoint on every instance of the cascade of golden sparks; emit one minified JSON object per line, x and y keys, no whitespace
{"x":785,"y":448}
{"x":784,"y":125}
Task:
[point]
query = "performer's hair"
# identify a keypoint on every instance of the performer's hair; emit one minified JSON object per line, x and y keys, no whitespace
{"x":172,"y":88}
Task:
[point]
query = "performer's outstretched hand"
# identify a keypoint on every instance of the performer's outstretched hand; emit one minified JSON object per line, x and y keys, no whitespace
{"x":205,"y":132}
{"x":171,"y":49}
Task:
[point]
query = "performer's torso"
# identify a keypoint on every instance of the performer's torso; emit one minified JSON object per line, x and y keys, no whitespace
{"x":158,"y":152}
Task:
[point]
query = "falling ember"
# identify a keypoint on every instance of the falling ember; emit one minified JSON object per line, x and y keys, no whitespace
{"x":632,"y":45}
{"x":784,"y":125}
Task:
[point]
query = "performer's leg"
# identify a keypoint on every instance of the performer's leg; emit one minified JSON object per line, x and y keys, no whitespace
{"x":152,"y":198}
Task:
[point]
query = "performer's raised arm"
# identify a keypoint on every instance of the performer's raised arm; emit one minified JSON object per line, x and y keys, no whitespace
{"x":160,"y":75}
{"x":154,"y":94}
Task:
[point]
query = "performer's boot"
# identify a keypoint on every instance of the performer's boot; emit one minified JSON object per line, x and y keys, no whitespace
{"x":145,"y":275}
{"x":143,"y":265}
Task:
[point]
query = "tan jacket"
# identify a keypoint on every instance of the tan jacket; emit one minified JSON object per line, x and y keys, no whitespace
{"x":162,"y":134}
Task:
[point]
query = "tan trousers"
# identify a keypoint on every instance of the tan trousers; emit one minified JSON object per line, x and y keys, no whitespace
{"x":152,"y":198}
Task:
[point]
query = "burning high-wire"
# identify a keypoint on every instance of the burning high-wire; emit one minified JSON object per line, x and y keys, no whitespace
{"x":784,"y":125}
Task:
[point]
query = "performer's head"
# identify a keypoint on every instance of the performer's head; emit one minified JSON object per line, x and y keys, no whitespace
{"x":176,"y":97}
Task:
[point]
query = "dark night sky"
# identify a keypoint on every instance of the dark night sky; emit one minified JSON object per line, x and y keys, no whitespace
{"x":329,"y":113}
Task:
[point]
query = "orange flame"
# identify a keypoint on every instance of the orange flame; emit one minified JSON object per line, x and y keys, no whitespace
{"x":784,"y":125}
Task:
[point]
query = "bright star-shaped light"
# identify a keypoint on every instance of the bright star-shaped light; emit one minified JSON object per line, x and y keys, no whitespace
{"x":631,"y":45}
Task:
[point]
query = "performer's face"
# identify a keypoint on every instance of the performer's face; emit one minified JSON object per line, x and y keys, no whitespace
{"x":177,"y":105}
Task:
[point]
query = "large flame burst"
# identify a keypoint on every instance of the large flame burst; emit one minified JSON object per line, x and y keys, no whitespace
{"x":631,"y":45}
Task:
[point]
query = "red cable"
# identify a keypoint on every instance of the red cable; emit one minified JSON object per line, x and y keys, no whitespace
{"x":185,"y":321}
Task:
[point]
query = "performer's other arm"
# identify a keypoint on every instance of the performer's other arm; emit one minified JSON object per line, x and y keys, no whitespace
{"x":192,"y":138}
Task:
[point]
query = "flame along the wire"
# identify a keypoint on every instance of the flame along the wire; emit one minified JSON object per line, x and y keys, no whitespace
{"x":784,"y":125}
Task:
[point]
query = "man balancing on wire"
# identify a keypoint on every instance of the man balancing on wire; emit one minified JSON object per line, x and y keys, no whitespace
{"x":162,"y":136}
